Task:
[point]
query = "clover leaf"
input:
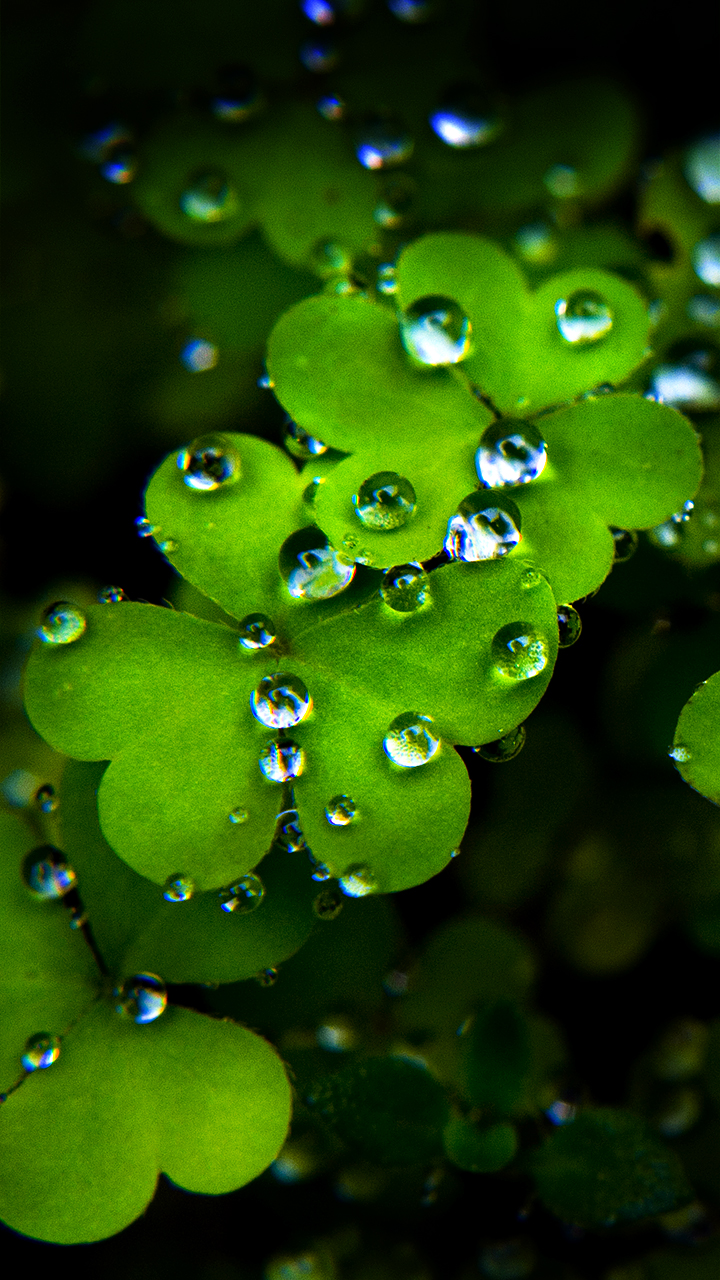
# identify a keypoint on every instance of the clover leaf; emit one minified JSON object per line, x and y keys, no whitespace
{"x":696,"y":748}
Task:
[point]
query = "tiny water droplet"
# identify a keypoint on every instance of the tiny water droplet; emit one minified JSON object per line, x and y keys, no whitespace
{"x":435,"y":331}
{"x":702,"y":168}
{"x":62,"y":623}
{"x":561,"y":1112}
{"x":583,"y":318}
{"x":531,"y":578}
{"x":41,"y":1051}
{"x":331,"y":107}
{"x":300,"y":444}
{"x":289,"y":834}
{"x":536,"y":243}
{"x":680,"y":754}
{"x":511,"y":452}
{"x":320,"y":872}
{"x":519,"y":652}
{"x":410,"y":741}
{"x":121,"y":167}
{"x":280,"y":701}
{"x":625,"y":543}
{"x":198,"y":355}
{"x":142,"y":998}
{"x":455,"y":853}
{"x":144,"y":528}
{"x":209,"y":463}
{"x":256,"y":632}
{"x":282,"y":761}
{"x":328,"y":904}
{"x":111,"y":595}
{"x":243,"y":896}
{"x":383,"y":144}
{"x":265,"y":382}
{"x":358,"y":881}
{"x":209,"y":198}
{"x":562,"y":181}
{"x":238,"y":816}
{"x":168,"y":547}
{"x":405,"y":588}
{"x":385,"y":501}
{"x":706,"y":259}
{"x":267,"y":977}
{"x":319,"y":55}
{"x":505,"y":748}
{"x":238,"y":97}
{"x":46,"y":798}
{"x":341,"y":811}
{"x":178,"y":888}
{"x":484,"y":528}
{"x":47,"y":873}
{"x":685,"y":386}
{"x":311,"y":568}
{"x":386,"y":279}
{"x":569,"y":625}
{"x":465,"y":118}
{"x":705,"y":310}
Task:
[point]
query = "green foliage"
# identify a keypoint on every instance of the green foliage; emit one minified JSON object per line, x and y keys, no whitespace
{"x":696,"y":749}
{"x":495,"y":1057}
{"x":479,"y":1150}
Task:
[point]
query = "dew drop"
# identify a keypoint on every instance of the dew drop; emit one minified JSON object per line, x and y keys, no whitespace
{"x":142,"y":998}
{"x":685,"y":386}
{"x":256,"y":632}
{"x":531,"y":578}
{"x":144,"y":528}
{"x":311,"y":568}
{"x":329,"y":258}
{"x":280,"y":701}
{"x":121,"y":167}
{"x":410,"y":741}
{"x":680,"y":754}
{"x":267,"y":977}
{"x":562,"y":181}
{"x":47,"y":873}
{"x":62,"y":623}
{"x":198,"y":355}
{"x":519,"y":652}
{"x":536,"y":243}
{"x":386,"y":279}
{"x":209,"y":463}
{"x":435,"y":331}
{"x":289,"y":834}
{"x":178,"y":888}
{"x":705,"y":310}
{"x":238,"y":97}
{"x":484,"y":528}
{"x":505,"y":748}
{"x":320,"y":872}
{"x":358,"y":881}
{"x":341,"y":811}
{"x":46,"y":798}
{"x":282,"y":761}
{"x":405,"y":588}
{"x":300,"y":444}
{"x":510,"y":452}
{"x":702,"y":168}
{"x":625,"y":544}
{"x":385,"y":501}
{"x":328,"y":904}
{"x":238,"y":816}
{"x":465,"y":118}
{"x":569,"y":625}
{"x":243,"y":896}
{"x":583,"y":318}
{"x":383,"y":144}
{"x":210,"y":198}
{"x":168,"y":546}
{"x":41,"y":1051}
{"x":331,"y":107}
{"x":706,"y":259}
{"x":111,"y":595}
{"x":319,"y":55}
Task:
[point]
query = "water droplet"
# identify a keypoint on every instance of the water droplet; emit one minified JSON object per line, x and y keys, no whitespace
{"x":142,"y":998}
{"x":397,"y":193}
{"x":531,"y":578}
{"x":311,"y":568}
{"x":583,"y":318}
{"x":569,"y":625}
{"x":706,"y":259}
{"x":505,"y":748}
{"x":265,"y":382}
{"x":484,"y":528}
{"x":209,"y":463}
{"x":386,"y":279}
{"x":341,"y":811}
{"x":319,"y":54}
{"x":111,"y":595}
{"x":519,"y":651}
{"x":47,"y":874}
{"x":328,"y":904}
{"x":511,"y":452}
{"x":704,"y":309}
{"x":280,"y":701}
{"x":686,"y":387}
{"x":198,"y":355}
{"x":562,"y":181}
{"x":331,"y":107}
{"x":329,"y":258}
{"x":238,"y":816}
{"x":337,"y":1035}
{"x":465,"y":118}
{"x":46,"y":798}
{"x":168,"y":546}
{"x":625,"y":543}
{"x":680,"y":754}
{"x":383,"y":144}
{"x":436,"y":331}
{"x":385,"y":501}
{"x":405,"y":588}
{"x":243,"y":896}
{"x":62,"y":623}
{"x":411,"y":11}
{"x":238,"y":98}
{"x":320,"y":872}
{"x":410,"y":741}
{"x":536,"y":243}
{"x":178,"y":888}
{"x":267,"y":977}
{"x":358,"y":881}
{"x":561,"y":1112}
{"x":144,"y":528}
{"x":289,"y":834}
{"x":41,"y":1051}
{"x":300,"y":444}
{"x":99,"y":146}
{"x":209,"y":198}
{"x":256,"y":632}
{"x":121,"y":167}
{"x":281,"y":761}
{"x":702,"y":168}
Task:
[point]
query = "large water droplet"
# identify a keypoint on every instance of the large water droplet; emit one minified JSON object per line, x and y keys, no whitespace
{"x":685,"y":386}
{"x":625,"y":543}
{"x":706,"y":259}
{"x":383,"y":144}
{"x":405,"y":588}
{"x":178,"y":888}
{"x":111,"y":595}
{"x":280,"y":701}
{"x":41,"y":1051}
{"x":209,"y":463}
{"x":484,"y":528}
{"x":282,"y":761}
{"x":142,"y":998}
{"x":209,"y":198}
{"x":505,"y":748}
{"x":385,"y":501}
{"x":358,"y":881}
{"x":465,"y":118}
{"x":62,"y":623}
{"x":311,"y":568}
{"x":341,"y":811}
{"x":702,"y":168}
{"x":435,"y":331}
{"x":519,"y":651}
{"x":238,"y":816}
{"x":267,"y":977}
{"x":584,"y":317}
{"x":243,"y":896}
{"x":300,"y":444}
{"x":238,"y":97}
{"x":510,"y":452}
{"x":562,"y":181}
{"x":46,"y":798}
{"x":256,"y":632}
{"x":410,"y":740}
{"x":704,"y":309}
{"x":569,"y":625}
{"x":328,"y":904}
{"x":47,"y":873}
{"x":198,"y":355}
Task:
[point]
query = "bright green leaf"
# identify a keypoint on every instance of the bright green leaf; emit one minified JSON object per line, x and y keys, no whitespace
{"x":696,"y":749}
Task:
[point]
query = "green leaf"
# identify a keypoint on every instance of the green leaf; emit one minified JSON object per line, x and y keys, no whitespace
{"x":696,"y":748}
{"x":479,"y":1150}
{"x":607,"y":1167}
{"x":496,"y":1057}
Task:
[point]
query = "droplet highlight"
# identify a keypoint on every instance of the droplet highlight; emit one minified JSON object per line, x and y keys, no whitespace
{"x":341,"y":811}
{"x":706,"y":259}
{"x":383,"y":144}
{"x":209,"y":198}
{"x":282,"y":761}
{"x":243,"y":896}
{"x":465,"y":119}
{"x":385,"y":501}
{"x":280,"y":701}
{"x":62,"y":623}
{"x":178,"y":888}
{"x":46,"y":799}
{"x":47,"y":873}
{"x":41,"y":1051}
{"x":209,"y":463}
{"x":510,"y":452}
{"x":484,"y":528}
{"x":505,"y":748}
{"x":256,"y":632}
{"x":569,"y":625}
{"x":142,"y":998}
{"x":583,"y":318}
{"x":111,"y":595}
{"x":435,"y":331}
{"x":519,"y":652}
{"x":300,"y":444}
{"x":702,"y":168}
{"x":410,"y":740}
{"x":311,"y":568}
{"x":358,"y":881}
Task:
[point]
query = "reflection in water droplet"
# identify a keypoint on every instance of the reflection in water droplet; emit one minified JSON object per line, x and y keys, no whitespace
{"x":505,"y":748}
{"x":238,"y":816}
{"x":62,"y":623}
{"x":111,"y":595}
{"x":410,"y":740}
{"x":289,"y":834}
{"x":267,"y":977}
{"x":280,"y":701}
{"x":341,"y":811}
{"x":511,"y":452}
{"x":435,"y":331}
{"x":144,"y":528}
{"x":198,"y":355}
{"x":569,"y":625}
{"x":536,"y":243}
{"x":562,"y":181}
{"x":319,"y":54}
{"x":484,"y":528}
{"x":583,"y":318}
{"x":300,"y":444}
{"x":406,"y":588}
{"x":46,"y":798}
{"x":465,"y":118}
{"x":328,"y":904}
{"x":383,"y":144}
{"x":142,"y":998}
{"x":281,"y":761}
{"x":706,"y":259}
{"x":385,"y":501}
{"x":704,"y":309}
{"x":519,"y":652}
{"x":311,"y":568}
{"x":702,"y":168}
{"x":243,"y":896}
{"x":178,"y":888}
{"x":47,"y":874}
{"x":256,"y":632}
{"x":210,"y":198}
{"x":680,"y":754}
{"x":625,"y":544}
{"x":209,"y":463}
{"x":238,"y":97}
{"x":41,"y":1051}
{"x":331,"y":107}
{"x":358,"y":881}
